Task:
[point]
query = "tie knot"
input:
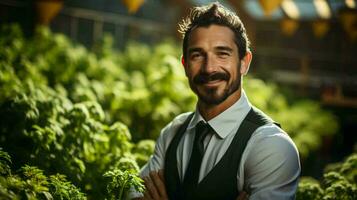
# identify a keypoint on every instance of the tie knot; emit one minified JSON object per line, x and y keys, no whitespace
{"x":202,"y":129}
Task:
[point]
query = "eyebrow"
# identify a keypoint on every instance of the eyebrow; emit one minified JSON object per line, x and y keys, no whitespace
{"x":224,"y":48}
{"x":220,"y":48}
{"x":195,"y":49}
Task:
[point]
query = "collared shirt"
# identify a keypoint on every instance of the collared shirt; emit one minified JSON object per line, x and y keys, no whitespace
{"x":269,"y":167}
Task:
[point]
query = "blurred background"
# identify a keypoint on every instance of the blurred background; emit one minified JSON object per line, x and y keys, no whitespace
{"x":303,"y":73}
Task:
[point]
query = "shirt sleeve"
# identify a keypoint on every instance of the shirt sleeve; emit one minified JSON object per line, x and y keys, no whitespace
{"x":272,"y":167}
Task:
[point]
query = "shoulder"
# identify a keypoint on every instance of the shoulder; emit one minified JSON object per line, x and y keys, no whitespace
{"x":268,"y":134}
{"x":272,"y":137}
{"x":180,"y":119}
{"x":169,"y":131}
{"x":258,"y":117}
{"x":269,"y":143}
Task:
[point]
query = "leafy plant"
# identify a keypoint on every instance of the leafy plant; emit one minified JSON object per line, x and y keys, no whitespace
{"x":339,"y":183}
{"x":31,"y":183}
{"x":123,"y":178}
{"x":42,"y":127}
{"x":143,"y":150}
{"x":309,"y":188}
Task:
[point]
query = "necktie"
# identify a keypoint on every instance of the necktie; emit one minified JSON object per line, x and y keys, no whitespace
{"x":193,"y":169}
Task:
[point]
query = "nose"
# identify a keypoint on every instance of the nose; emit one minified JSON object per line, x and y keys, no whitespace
{"x":210,"y":64}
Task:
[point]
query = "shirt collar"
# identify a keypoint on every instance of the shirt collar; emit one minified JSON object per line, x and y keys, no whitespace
{"x":225,"y":122}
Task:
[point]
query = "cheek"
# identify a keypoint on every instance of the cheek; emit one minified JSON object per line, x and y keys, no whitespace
{"x":189,"y":74}
{"x":238,"y":68}
{"x":191,"y":70}
{"x":234,"y":69}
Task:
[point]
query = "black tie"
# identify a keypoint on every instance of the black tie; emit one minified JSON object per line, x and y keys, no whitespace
{"x":193,"y":169}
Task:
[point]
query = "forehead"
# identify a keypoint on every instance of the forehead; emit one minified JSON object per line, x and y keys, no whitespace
{"x":211,"y":36}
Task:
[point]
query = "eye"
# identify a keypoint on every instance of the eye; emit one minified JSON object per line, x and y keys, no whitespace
{"x":223,"y":54}
{"x":195,"y":55}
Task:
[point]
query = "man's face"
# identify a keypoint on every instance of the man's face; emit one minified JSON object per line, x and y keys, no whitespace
{"x":212,"y":65}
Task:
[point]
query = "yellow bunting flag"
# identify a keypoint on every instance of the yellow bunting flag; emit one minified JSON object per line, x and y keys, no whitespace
{"x":269,"y":6}
{"x":133,"y":5}
{"x":289,"y":26}
{"x":47,"y":10}
{"x":320,"y":28}
{"x":348,"y":20}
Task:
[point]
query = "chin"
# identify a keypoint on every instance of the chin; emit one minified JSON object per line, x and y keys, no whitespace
{"x":213,"y":99}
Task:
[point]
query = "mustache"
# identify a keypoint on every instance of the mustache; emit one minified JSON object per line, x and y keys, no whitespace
{"x":202,"y":78}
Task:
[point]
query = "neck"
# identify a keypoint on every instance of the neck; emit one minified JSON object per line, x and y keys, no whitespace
{"x":209,"y":111}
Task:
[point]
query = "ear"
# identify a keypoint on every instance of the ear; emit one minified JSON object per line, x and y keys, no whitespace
{"x":183,"y":64}
{"x":183,"y":61}
{"x":245,"y":63}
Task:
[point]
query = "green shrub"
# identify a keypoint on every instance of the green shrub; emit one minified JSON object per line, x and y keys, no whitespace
{"x":31,"y":183}
{"x":338,"y":183}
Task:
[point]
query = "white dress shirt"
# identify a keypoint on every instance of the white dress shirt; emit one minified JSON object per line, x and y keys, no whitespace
{"x":269,"y":167}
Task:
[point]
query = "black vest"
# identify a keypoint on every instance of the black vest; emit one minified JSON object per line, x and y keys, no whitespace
{"x":221,"y":182}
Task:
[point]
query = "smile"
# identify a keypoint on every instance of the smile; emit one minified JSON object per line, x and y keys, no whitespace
{"x":213,"y":83}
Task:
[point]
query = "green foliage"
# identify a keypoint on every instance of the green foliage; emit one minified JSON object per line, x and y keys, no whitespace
{"x":123,"y":178}
{"x":42,"y":126}
{"x":143,"y":150}
{"x":338,"y":183}
{"x":69,"y":110}
{"x":303,"y":120}
{"x":31,"y":183}
{"x":338,"y":187}
{"x":60,"y":136}
{"x":309,"y":188}
{"x":139,"y":86}
{"x":5,"y":161}
{"x":62,"y":189}
{"x":348,"y":168}
{"x":152,"y":95}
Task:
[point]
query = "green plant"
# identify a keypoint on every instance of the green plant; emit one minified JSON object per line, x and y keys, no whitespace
{"x":339,"y":183}
{"x":309,"y":188}
{"x":304,"y":120}
{"x":143,"y":150}
{"x":31,"y":183}
{"x":123,"y":178}
{"x":42,"y":127}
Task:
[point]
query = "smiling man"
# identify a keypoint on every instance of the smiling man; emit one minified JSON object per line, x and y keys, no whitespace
{"x":227,"y":148}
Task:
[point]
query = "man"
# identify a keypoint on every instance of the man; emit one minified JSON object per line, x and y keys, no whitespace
{"x":226,"y":149}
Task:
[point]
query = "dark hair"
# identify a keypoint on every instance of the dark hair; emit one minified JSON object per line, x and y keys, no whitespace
{"x":215,"y":13}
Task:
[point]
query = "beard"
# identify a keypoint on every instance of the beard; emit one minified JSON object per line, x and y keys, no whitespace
{"x":215,"y":95}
